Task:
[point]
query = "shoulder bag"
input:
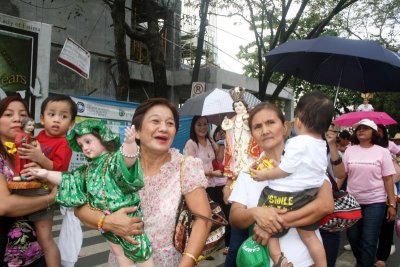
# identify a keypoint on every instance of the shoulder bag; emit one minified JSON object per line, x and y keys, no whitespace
{"x":346,"y":213}
{"x":185,"y":219}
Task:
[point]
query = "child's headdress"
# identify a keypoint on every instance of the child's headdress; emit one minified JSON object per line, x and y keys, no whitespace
{"x":87,"y":127}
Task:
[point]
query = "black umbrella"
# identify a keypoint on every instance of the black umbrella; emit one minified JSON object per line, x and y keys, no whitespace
{"x":360,"y":65}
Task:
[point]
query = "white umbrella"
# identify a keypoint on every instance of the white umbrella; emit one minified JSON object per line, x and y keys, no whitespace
{"x":217,"y":102}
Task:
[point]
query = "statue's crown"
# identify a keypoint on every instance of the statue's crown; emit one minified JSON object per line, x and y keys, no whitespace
{"x":237,"y":93}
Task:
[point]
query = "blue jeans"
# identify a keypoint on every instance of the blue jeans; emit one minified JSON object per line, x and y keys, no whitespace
{"x":331,"y":241}
{"x":363,"y":236}
{"x":238,"y":236}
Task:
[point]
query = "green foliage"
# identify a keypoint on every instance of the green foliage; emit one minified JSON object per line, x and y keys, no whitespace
{"x":388,"y":102}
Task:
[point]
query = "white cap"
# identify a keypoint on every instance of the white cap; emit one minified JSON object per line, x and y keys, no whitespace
{"x":366,"y":122}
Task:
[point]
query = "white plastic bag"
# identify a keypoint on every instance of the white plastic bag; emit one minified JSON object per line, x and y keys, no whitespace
{"x":70,"y":239}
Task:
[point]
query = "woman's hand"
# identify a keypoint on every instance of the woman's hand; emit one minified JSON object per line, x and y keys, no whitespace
{"x":124,"y":226}
{"x":391,"y":214}
{"x":269,"y":219}
{"x":260,"y":236}
{"x":330,"y":137}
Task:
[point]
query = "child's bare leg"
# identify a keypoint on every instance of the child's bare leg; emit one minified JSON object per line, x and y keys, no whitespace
{"x":276,"y":254}
{"x":123,"y":261}
{"x":274,"y":249}
{"x":46,"y":242}
{"x":314,"y":246}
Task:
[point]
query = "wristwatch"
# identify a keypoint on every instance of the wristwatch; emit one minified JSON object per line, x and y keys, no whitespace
{"x":336,"y":162}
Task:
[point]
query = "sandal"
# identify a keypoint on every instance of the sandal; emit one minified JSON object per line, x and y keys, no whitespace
{"x":281,"y":262}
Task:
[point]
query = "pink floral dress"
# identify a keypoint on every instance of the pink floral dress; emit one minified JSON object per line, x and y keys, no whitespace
{"x":160,"y":199}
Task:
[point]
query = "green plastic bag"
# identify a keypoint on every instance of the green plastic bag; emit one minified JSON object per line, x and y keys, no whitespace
{"x":251,"y":254}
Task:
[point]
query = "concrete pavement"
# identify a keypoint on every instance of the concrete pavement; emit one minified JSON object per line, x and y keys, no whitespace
{"x":95,"y":251}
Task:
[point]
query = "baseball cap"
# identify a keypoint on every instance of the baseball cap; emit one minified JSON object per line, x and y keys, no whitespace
{"x":366,"y":122}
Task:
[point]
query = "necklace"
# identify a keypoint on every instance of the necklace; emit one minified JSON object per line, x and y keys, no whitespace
{"x":238,"y":123}
{"x":103,"y":185}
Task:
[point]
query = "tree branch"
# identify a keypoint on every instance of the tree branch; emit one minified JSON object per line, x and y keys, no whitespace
{"x":134,"y":35}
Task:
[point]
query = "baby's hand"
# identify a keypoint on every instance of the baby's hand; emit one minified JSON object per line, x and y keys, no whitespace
{"x":130,"y":134}
{"x":259,"y":174}
{"x":258,"y":170}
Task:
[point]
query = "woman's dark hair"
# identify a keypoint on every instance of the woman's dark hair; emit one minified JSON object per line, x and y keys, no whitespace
{"x":4,"y":155}
{"x":193,"y":134}
{"x":4,"y":103}
{"x":384,"y":140}
{"x":374,"y":138}
{"x":344,"y":135}
{"x":268,"y":106}
{"x":142,"y":109}
{"x":315,"y":111}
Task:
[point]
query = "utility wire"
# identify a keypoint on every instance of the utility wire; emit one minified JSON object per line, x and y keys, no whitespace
{"x":94,"y":27}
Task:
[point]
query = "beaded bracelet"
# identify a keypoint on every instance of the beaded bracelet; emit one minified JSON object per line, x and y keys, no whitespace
{"x":132,"y":155}
{"x":190,"y":256}
{"x":100,"y":223}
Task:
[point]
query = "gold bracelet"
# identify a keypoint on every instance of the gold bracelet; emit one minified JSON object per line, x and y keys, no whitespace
{"x":190,"y":256}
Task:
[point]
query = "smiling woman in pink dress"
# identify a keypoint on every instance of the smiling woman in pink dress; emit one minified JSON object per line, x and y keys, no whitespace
{"x":157,"y":121}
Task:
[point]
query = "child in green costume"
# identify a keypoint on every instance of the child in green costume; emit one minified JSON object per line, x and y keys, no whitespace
{"x":108,"y":182}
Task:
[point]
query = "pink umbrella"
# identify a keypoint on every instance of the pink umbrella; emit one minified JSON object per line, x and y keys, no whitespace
{"x":351,"y":118}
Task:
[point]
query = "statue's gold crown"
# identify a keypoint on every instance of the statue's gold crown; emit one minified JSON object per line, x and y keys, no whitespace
{"x":237,"y":93}
{"x":367,"y":96}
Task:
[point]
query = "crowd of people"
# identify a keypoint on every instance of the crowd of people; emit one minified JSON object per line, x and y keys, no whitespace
{"x":272,"y":188}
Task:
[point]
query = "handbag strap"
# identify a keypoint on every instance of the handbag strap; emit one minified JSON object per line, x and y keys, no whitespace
{"x":333,"y":182}
{"x":223,"y":221}
{"x":213,"y":148}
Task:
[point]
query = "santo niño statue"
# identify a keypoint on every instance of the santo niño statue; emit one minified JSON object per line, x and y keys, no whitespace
{"x":240,"y":150}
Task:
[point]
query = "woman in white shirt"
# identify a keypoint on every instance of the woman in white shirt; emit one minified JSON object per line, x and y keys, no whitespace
{"x":268,"y":128}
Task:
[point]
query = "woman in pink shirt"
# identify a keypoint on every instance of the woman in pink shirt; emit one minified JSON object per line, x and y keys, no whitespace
{"x":201,"y":146}
{"x":369,"y":169}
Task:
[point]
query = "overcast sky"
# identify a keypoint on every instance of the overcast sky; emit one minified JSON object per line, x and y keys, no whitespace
{"x":229,"y":37}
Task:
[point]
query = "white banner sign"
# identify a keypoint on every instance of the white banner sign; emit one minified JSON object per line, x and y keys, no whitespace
{"x":75,"y":57}
{"x":97,"y":110}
